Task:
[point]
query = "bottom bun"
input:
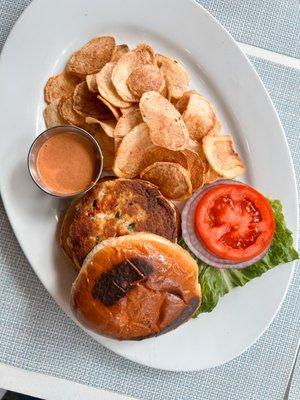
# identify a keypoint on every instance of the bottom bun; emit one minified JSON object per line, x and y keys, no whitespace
{"x":136,"y":286}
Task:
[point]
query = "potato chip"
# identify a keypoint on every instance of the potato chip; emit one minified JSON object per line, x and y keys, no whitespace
{"x":92,"y":83}
{"x":175,"y":73}
{"x":107,"y":89}
{"x":118,"y":141}
{"x":120,"y":49}
{"x":171,"y":178}
{"x":142,"y":55}
{"x":86,"y":103}
{"x":168,"y":89}
{"x":127,"y":122}
{"x":157,"y":154}
{"x":130,"y":155}
{"x":198,"y":114}
{"x":193,"y":145}
{"x":107,"y":146}
{"x":145,"y":78}
{"x":167,"y":128}
{"x":222,"y":157}
{"x":211,"y":176}
{"x":195,"y":167}
{"x":52,"y":116}
{"x":164,"y":92}
{"x":67,"y":112}
{"x":115,"y":110}
{"x":216,"y":130}
{"x":197,"y":147}
{"x":149,"y":152}
{"x":91,"y":57}
{"x":183,"y":102}
{"x":107,"y":126}
{"x":133,"y":107}
{"x":61,"y":85}
{"x":91,"y":120}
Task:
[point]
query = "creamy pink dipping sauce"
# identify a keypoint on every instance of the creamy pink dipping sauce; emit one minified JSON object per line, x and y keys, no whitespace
{"x":66,"y":163}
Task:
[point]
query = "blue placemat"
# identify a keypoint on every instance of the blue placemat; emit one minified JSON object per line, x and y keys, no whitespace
{"x":36,"y":335}
{"x":10,"y":10}
{"x":270,"y":24}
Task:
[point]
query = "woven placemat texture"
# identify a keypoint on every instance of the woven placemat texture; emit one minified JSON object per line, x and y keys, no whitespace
{"x":36,"y":335}
{"x":270,"y":24}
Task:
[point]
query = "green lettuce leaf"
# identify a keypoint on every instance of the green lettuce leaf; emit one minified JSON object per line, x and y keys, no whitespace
{"x":215,"y":283}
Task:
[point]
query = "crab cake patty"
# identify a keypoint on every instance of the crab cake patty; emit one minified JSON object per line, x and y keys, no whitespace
{"x":116,"y":207}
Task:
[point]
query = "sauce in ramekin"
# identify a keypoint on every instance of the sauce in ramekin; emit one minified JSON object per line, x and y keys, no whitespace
{"x":66,"y":163}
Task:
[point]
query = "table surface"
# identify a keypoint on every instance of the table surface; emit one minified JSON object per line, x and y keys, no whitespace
{"x":40,"y":347}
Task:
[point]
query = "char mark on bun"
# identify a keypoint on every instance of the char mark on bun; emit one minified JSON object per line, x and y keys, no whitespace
{"x":111,"y":286}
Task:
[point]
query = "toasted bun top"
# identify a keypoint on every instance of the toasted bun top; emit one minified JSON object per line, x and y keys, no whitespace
{"x":116,"y":207}
{"x":136,"y":286}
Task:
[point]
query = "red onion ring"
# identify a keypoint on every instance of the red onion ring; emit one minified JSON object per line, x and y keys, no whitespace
{"x":195,"y":244}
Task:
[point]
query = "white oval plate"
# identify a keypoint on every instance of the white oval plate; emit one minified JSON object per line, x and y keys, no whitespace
{"x":38,"y":47}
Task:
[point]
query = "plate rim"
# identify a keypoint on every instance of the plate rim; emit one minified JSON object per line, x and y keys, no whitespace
{"x":295,"y":195}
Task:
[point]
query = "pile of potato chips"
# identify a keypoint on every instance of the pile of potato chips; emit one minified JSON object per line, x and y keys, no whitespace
{"x":148,"y":124}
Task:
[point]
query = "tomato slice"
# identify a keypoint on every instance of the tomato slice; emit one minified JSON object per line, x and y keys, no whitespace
{"x":234,"y":222}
